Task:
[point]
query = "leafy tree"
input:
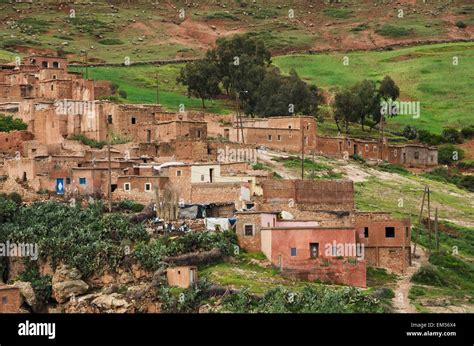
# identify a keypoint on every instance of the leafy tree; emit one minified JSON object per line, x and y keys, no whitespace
{"x":8,"y":123}
{"x":388,"y":90}
{"x":201,"y":78}
{"x":286,"y":95}
{"x":345,"y":106}
{"x":235,"y":56}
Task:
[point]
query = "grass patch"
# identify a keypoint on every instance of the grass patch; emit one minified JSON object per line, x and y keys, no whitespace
{"x":389,"y":30}
{"x":111,"y":41}
{"x":378,"y":277}
{"x":340,"y":13}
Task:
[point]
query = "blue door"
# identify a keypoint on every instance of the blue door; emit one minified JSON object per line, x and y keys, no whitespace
{"x":60,"y":186}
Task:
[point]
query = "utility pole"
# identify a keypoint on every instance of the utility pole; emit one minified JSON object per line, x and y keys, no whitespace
{"x":109,"y":120}
{"x":302,"y":150}
{"x":436,"y":229}
{"x":429,"y":221}
{"x":237,"y":120}
{"x":419,"y":221}
{"x":312,"y":173}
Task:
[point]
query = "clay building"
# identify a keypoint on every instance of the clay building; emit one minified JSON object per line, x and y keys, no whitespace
{"x":248,"y":226}
{"x":184,"y":277}
{"x":280,"y":133}
{"x":386,"y":240}
{"x":9,"y":299}
{"x":409,"y":155}
{"x":306,"y":250}
{"x":12,"y":142}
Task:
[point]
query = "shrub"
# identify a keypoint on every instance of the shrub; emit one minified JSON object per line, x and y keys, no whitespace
{"x":123,"y":94}
{"x":429,"y":138}
{"x":111,"y":41}
{"x":393,"y":31}
{"x":410,"y":132}
{"x":448,"y":153}
{"x":41,"y":285}
{"x":468,"y":132}
{"x":428,"y":275}
{"x":15,"y":197}
{"x":452,"y":136}
{"x":387,"y":167}
{"x":460,"y":24}
{"x":87,"y":141}
{"x":8,"y":123}
{"x":467,"y":182}
{"x":128,"y":205}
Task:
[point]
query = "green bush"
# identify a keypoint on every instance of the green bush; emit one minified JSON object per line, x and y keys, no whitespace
{"x":15,"y":197}
{"x":128,"y":205}
{"x":467,"y":182}
{"x":410,"y":132}
{"x":468,"y":164}
{"x":460,"y":24}
{"x":387,"y":167}
{"x":429,"y":275}
{"x":111,"y":41}
{"x":8,"y":123}
{"x":83,"y":238}
{"x":393,"y":31}
{"x":452,"y":136}
{"x":308,"y":300}
{"x":340,"y":13}
{"x":41,"y":285}
{"x":468,"y":132}
{"x":429,"y":138}
{"x":122,"y":94}
{"x":447,"y":154}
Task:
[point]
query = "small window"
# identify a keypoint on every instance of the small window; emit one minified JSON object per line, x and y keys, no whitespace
{"x":202,"y":177}
{"x":293,"y":252}
{"x":147,"y":187}
{"x":198,"y":133}
{"x":366,"y":232}
{"x":178,"y":173}
{"x":279,"y":137}
{"x":395,"y":153}
{"x":126,"y":187}
{"x":54,"y":76}
{"x":269,"y":137}
{"x":407,"y":232}
{"x":375,"y":148}
{"x":367,"y":148}
{"x":4,"y":300}
{"x":55,"y":64}
{"x":68,"y":180}
{"x":44,"y":64}
{"x":248,"y":230}
{"x":389,"y":232}
{"x":52,"y":87}
{"x":289,"y":126}
{"x":417,"y":155}
{"x":134,"y":120}
{"x":307,"y":127}
{"x":82,"y":181}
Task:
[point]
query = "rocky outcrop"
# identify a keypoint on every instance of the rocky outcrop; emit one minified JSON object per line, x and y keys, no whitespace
{"x":27,"y":295}
{"x":111,"y":303}
{"x":67,"y":283}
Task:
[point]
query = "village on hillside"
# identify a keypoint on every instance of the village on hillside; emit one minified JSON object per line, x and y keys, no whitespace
{"x":114,"y":206}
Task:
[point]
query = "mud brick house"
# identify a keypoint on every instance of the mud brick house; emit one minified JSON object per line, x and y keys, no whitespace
{"x":9,"y":299}
{"x":280,"y":133}
{"x":409,"y":155}
{"x":329,"y":201}
{"x":12,"y":142}
{"x":306,"y":250}
{"x":248,"y":226}
{"x":386,"y":240}
{"x":186,"y":150}
{"x":183,"y":277}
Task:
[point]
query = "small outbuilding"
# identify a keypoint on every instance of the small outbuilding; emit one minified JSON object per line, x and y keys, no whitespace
{"x":9,"y":299}
{"x":183,"y":277}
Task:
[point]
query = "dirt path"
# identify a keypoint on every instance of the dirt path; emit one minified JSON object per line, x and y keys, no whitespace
{"x":401,"y":302}
{"x":266,"y":157}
